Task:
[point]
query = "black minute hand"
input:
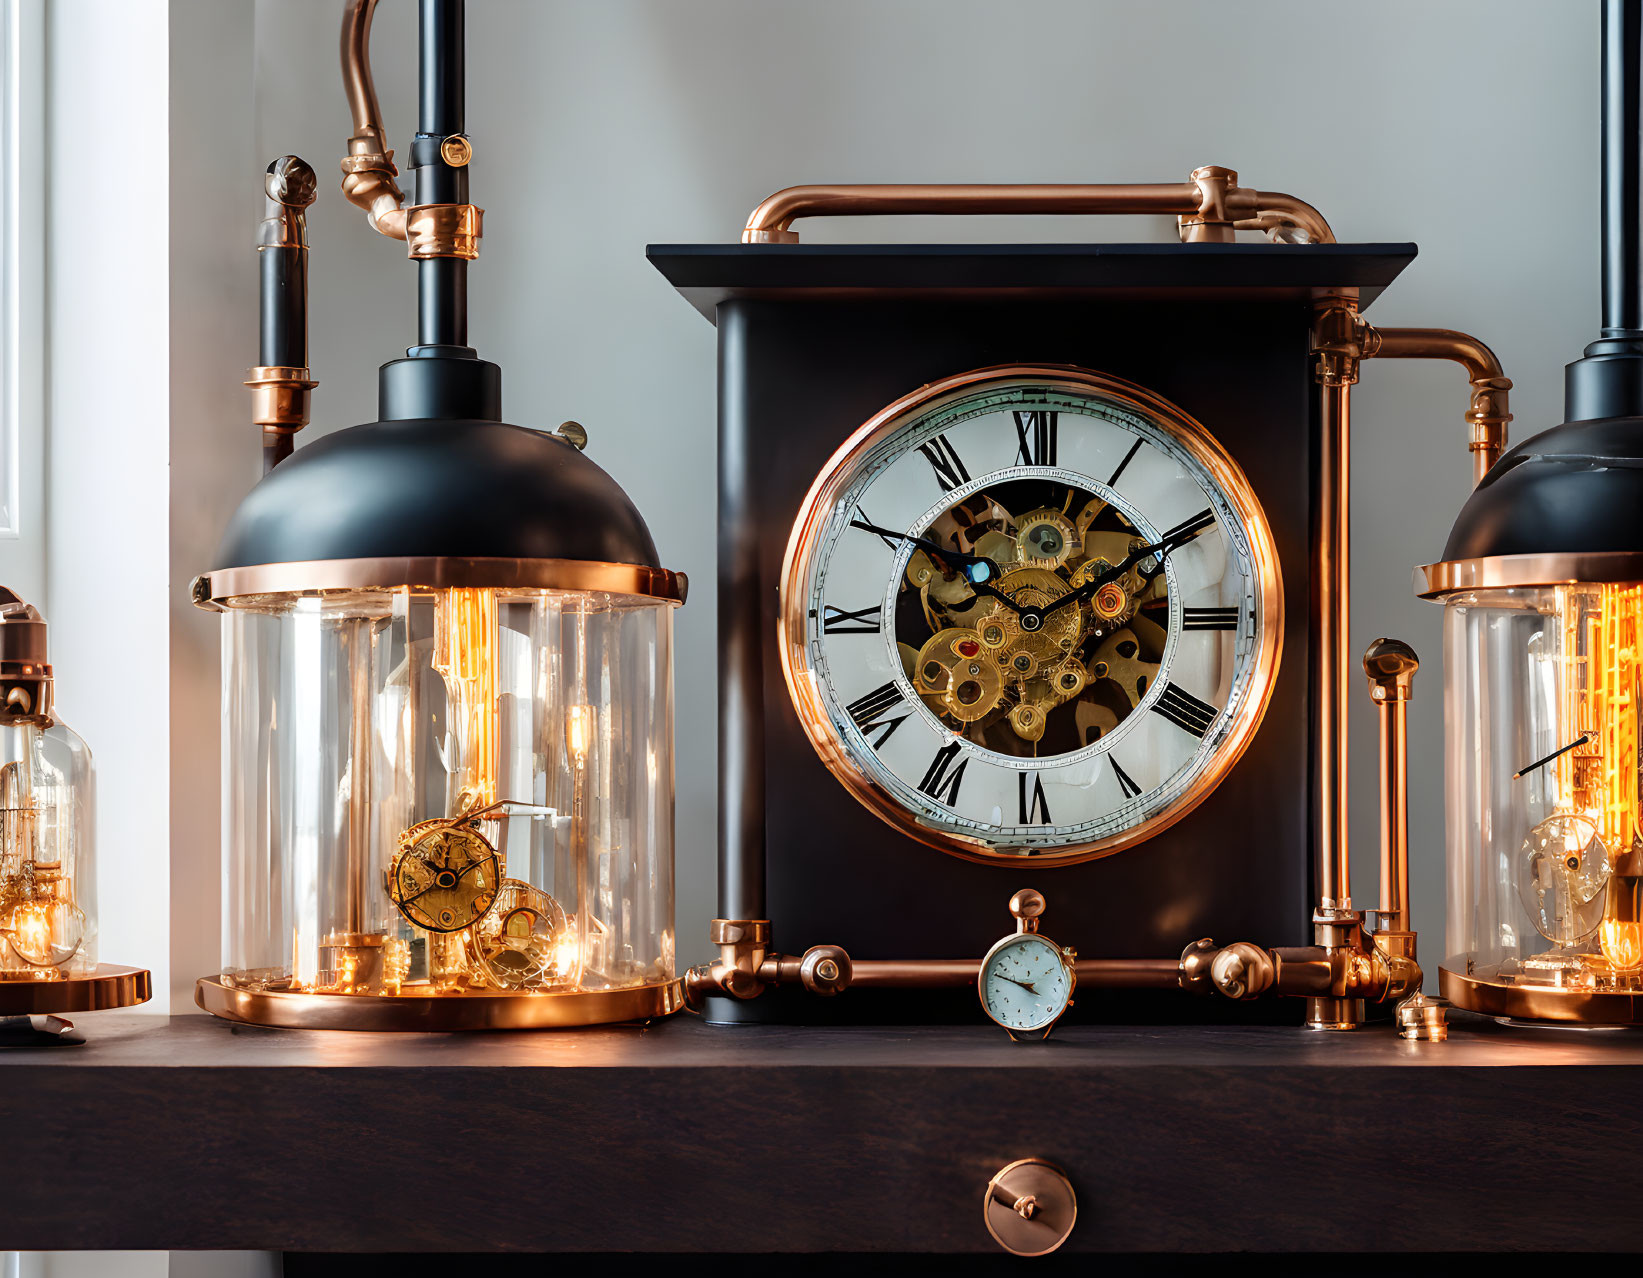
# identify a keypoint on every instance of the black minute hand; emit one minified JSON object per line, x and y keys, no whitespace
{"x":974,"y":567}
{"x":1174,"y":538}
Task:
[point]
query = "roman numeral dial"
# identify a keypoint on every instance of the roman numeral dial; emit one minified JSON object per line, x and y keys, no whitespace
{"x":1055,"y":630}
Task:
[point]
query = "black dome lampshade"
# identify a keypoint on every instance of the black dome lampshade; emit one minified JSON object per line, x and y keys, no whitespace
{"x":437,"y":489}
{"x":441,"y":488}
{"x":1576,"y":491}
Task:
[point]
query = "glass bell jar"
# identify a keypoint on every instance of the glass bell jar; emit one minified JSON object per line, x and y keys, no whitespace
{"x":1543,"y":670}
{"x":48,"y":864}
{"x":447,"y":777}
{"x":48,"y":854}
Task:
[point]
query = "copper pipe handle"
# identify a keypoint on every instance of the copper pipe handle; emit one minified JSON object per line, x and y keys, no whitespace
{"x":1488,"y":413}
{"x":1209,"y":207}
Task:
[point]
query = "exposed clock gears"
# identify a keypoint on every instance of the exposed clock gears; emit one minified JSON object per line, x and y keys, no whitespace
{"x":1049,"y":680}
{"x":525,"y":942}
{"x":446,"y":875}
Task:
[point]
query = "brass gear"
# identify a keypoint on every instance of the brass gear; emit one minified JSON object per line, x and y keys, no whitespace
{"x":1045,"y":538}
{"x":957,"y":676}
{"x":446,"y":875}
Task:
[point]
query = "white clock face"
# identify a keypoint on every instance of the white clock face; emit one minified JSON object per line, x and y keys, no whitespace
{"x":1031,"y":616}
{"x":1024,"y":983}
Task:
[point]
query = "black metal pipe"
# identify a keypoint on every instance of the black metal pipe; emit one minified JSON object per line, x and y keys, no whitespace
{"x":442,"y":283}
{"x":283,"y":322}
{"x":442,"y":302}
{"x":442,"y":89}
{"x":1622,"y":167}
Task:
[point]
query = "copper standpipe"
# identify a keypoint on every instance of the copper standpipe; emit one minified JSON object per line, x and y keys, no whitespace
{"x":280,"y":382}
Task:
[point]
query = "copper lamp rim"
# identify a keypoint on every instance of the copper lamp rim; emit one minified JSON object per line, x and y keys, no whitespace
{"x":1504,"y":572}
{"x":1488,"y":995}
{"x":424,"y":1012}
{"x":106,"y":986}
{"x":226,"y":588}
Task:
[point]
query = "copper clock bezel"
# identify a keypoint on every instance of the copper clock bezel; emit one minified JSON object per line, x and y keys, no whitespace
{"x":834,"y":479}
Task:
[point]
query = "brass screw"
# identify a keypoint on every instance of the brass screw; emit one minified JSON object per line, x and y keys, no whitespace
{"x":827,"y":970}
{"x":456,"y":151}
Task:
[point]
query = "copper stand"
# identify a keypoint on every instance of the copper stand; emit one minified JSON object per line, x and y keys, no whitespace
{"x":422,"y":1008}
{"x":103,"y":988}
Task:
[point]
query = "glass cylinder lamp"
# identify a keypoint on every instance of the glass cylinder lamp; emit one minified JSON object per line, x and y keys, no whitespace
{"x":448,"y":738}
{"x":1542,"y":587}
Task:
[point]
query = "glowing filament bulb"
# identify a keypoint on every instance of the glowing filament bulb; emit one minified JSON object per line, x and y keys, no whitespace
{"x":579,"y":732}
{"x":465,"y":651}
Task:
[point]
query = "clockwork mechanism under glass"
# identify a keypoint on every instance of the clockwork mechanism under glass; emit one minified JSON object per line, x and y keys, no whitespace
{"x":446,"y":875}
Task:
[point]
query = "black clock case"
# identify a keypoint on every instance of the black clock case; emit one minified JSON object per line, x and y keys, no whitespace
{"x":813,"y":341}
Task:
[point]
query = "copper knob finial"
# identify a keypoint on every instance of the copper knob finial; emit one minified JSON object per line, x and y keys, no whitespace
{"x":1391,"y":665}
{"x":1027,"y":904}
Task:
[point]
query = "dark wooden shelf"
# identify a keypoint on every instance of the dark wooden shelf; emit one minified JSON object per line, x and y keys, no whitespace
{"x":682,"y":1137}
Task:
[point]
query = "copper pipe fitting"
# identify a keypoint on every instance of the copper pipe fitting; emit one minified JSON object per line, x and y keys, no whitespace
{"x":1489,"y":411}
{"x":1209,"y":207}
{"x":443,"y":230}
{"x":279,"y":397}
{"x":368,"y":169}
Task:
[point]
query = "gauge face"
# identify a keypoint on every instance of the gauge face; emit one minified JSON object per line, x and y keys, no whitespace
{"x":1024,"y":983}
{"x":1031,"y":613}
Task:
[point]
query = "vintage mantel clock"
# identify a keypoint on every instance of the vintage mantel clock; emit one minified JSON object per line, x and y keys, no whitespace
{"x":1032,"y":569}
{"x":447,"y":662}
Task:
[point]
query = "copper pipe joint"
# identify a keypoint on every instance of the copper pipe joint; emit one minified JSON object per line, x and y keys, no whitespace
{"x":443,"y":230}
{"x":368,"y":169}
{"x":1209,"y":207}
{"x":1488,"y":412}
{"x":279,"y":397}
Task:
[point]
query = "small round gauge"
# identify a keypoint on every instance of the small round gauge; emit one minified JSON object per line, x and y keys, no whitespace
{"x":1026,"y":982}
{"x":446,"y":878}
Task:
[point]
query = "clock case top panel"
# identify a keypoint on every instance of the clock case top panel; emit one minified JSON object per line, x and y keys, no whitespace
{"x":802,"y":364}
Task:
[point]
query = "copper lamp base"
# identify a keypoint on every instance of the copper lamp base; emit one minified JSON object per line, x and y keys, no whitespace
{"x":1521,"y":1001}
{"x":423,"y":1010}
{"x":105,"y":986}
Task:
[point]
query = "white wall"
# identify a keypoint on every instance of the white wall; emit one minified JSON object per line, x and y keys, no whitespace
{"x":108,"y":400}
{"x":601,"y":127}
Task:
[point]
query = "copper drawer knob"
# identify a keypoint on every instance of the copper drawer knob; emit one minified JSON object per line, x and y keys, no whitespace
{"x":1030,"y":1207}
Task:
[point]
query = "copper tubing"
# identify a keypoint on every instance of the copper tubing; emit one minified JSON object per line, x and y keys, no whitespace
{"x":930,"y":974}
{"x":1488,"y":412}
{"x":1394,"y":816}
{"x":368,"y":170}
{"x":1208,"y":206}
{"x":1331,"y":569}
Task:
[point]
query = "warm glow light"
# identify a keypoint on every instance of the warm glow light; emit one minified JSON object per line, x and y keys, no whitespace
{"x":33,"y":928}
{"x":1600,"y":683}
{"x":465,"y":651}
{"x":1600,"y":647}
{"x":579,"y":730}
